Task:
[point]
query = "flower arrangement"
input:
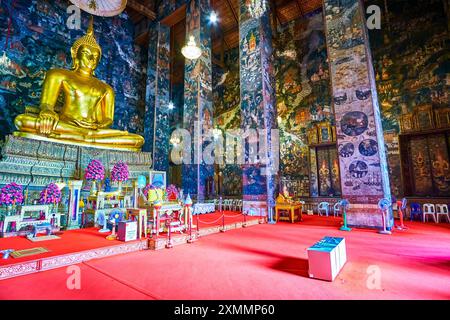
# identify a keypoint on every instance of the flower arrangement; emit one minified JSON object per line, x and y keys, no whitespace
{"x":153,"y":193}
{"x":120,"y":172}
{"x":11,"y":194}
{"x":95,"y":170}
{"x":172,"y":192}
{"x":147,"y":189}
{"x":50,"y":195}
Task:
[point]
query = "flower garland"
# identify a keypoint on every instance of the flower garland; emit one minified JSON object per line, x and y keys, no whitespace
{"x":95,"y":170}
{"x":120,"y":172}
{"x":172,"y":192}
{"x":11,"y":194}
{"x":50,"y":195}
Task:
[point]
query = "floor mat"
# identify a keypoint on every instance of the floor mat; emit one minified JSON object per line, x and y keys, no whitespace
{"x":28,"y":252}
{"x":44,"y":238}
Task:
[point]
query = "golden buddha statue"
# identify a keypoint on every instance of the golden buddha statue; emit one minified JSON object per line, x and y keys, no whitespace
{"x":88,"y":109}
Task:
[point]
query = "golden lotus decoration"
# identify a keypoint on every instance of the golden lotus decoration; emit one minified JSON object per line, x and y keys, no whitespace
{"x":103,"y":8}
{"x":191,"y":51}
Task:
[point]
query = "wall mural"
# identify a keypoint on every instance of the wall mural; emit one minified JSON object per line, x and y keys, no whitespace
{"x":303,"y":96}
{"x":198,"y":177}
{"x":39,"y":40}
{"x":364,"y":168}
{"x":258,"y":110}
{"x":227,"y":114}
{"x":411,"y":61}
{"x":158,"y":96}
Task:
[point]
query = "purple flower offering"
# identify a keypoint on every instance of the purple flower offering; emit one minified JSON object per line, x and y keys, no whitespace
{"x":50,"y":195}
{"x":95,"y":170}
{"x":11,"y":194}
{"x":120,"y":172}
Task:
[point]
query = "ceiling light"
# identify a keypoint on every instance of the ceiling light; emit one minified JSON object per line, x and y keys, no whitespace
{"x":191,"y":51}
{"x":213,"y":17}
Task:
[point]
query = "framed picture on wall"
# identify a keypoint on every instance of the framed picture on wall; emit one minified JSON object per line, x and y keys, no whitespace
{"x":407,"y":123}
{"x":158,"y":179}
{"x":424,"y":117}
{"x":312,"y":135}
{"x":442,"y":118}
{"x":324,"y":129}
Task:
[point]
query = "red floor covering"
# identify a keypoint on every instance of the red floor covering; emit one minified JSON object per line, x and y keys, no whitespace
{"x":261,"y":262}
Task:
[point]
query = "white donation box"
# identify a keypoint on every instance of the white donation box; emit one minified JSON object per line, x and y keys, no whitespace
{"x":326,"y":258}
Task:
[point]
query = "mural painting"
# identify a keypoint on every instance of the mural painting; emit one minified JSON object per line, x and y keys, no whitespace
{"x":198,"y":104}
{"x":358,"y":121}
{"x":411,"y":61}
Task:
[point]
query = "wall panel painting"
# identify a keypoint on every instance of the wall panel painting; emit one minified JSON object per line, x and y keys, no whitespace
{"x":421,"y":166}
{"x":439,"y":164}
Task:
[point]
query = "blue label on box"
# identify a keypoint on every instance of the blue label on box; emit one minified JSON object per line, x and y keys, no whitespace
{"x":327,"y":244}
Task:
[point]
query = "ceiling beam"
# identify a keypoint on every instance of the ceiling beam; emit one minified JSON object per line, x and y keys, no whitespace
{"x":230,"y":5}
{"x":133,"y":4}
{"x":300,"y":8}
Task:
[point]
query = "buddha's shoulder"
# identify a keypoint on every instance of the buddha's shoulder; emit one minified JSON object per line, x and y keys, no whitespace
{"x":103,"y":84}
{"x":59,"y":72}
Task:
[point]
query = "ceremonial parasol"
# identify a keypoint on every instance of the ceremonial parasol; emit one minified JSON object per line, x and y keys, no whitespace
{"x":103,"y":8}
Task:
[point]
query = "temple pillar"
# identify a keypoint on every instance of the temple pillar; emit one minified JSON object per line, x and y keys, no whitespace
{"x":198,"y":175}
{"x":364,"y":171}
{"x":258,"y":113}
{"x":156,"y":122}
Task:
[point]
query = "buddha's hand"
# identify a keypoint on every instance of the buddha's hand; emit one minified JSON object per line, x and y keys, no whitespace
{"x":47,"y":120}
{"x":86,"y":125}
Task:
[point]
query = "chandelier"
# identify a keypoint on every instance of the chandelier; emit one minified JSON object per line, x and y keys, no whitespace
{"x":103,"y":8}
{"x":257,"y":8}
{"x":191,"y":51}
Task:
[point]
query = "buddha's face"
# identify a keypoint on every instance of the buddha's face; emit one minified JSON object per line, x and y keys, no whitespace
{"x":88,"y":58}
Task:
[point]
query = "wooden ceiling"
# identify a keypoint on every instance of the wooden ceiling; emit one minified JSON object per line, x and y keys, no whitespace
{"x":228,"y":12}
{"x":226,"y":34}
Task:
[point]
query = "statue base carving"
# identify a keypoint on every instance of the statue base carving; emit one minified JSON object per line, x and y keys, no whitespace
{"x":36,"y":163}
{"x":73,"y":143}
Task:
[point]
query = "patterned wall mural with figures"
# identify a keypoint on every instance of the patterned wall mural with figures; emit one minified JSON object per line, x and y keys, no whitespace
{"x":303,"y":100}
{"x":412,"y":65}
{"x":364,"y":168}
{"x":37,"y":38}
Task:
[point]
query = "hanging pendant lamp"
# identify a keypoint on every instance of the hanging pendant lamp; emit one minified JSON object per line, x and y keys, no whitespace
{"x":191,"y":51}
{"x":103,"y":8}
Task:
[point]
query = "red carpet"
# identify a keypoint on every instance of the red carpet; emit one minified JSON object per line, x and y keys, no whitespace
{"x":261,"y":262}
{"x":71,"y":241}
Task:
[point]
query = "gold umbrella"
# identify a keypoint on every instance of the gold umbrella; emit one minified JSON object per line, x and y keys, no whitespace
{"x":103,"y":8}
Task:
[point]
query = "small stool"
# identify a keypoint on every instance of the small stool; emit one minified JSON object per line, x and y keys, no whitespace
{"x":141,"y":215}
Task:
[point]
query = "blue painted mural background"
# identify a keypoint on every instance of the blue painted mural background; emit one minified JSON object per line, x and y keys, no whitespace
{"x":41,"y":40}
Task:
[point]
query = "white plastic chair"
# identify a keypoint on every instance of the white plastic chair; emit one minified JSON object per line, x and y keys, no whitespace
{"x":442,"y":210}
{"x":429,"y":210}
{"x":323,"y":207}
{"x":239,"y":205}
{"x":336,"y":209}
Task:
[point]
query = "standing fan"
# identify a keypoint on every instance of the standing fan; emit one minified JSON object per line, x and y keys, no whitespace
{"x":344,"y":204}
{"x":101,"y":220}
{"x":384,"y":205}
{"x":102,"y":8}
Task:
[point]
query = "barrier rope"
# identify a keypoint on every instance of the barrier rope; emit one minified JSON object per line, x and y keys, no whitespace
{"x":212,"y":221}
{"x":237,"y":215}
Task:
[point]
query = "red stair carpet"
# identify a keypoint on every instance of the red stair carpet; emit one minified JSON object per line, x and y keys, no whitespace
{"x":261,"y":262}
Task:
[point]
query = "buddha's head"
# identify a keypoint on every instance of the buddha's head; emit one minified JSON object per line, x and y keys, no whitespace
{"x":86,"y":52}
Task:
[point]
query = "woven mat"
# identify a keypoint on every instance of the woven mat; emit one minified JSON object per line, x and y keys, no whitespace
{"x":28,"y":252}
{"x":44,"y":238}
